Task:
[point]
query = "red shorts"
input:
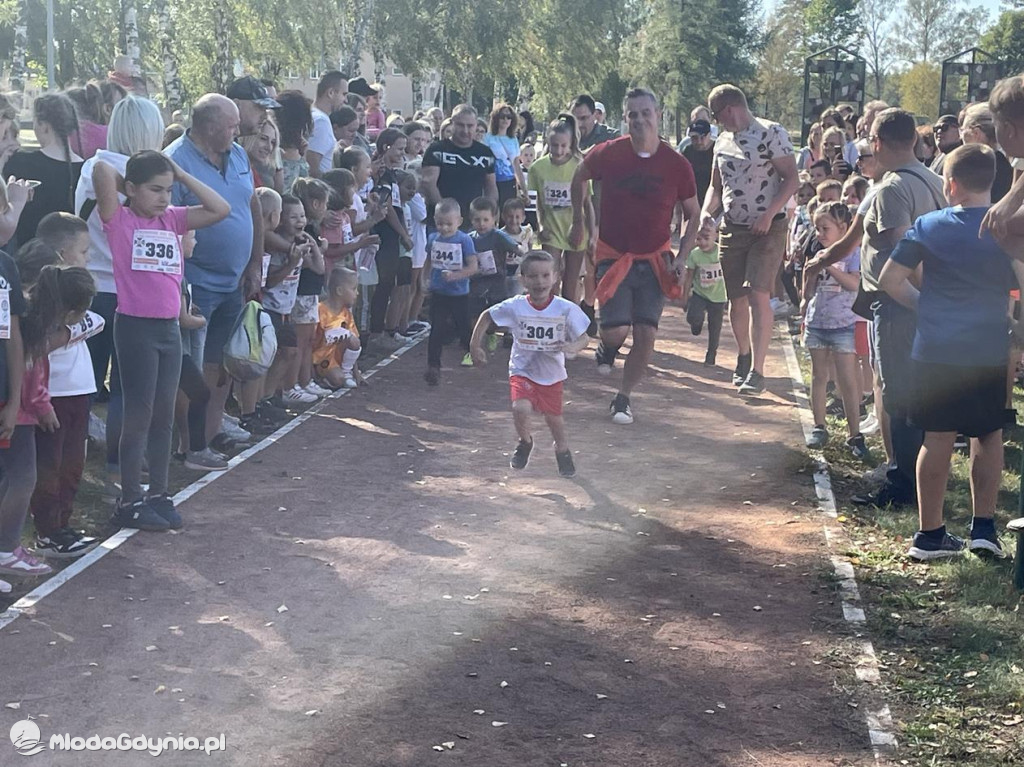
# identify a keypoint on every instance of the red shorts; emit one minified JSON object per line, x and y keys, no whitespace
{"x":545,"y":399}
{"x":860,"y":338}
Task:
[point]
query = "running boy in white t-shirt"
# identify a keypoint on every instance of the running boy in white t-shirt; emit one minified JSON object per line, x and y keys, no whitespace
{"x":544,"y":328}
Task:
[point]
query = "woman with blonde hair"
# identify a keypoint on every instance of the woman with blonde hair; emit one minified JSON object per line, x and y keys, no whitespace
{"x":979,"y":127}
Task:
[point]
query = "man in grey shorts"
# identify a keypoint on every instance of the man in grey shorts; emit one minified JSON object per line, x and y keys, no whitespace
{"x":642,"y":178}
{"x":753,"y":176}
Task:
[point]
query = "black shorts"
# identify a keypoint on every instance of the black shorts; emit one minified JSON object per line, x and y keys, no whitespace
{"x":969,"y":400}
{"x":637,"y":301}
{"x":284,"y":329}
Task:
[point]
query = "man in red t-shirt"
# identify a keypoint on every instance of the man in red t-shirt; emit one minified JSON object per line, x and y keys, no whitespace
{"x":642,"y":178}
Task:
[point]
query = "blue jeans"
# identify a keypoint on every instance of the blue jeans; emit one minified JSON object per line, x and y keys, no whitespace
{"x":221,"y":311}
{"x":892,"y":341}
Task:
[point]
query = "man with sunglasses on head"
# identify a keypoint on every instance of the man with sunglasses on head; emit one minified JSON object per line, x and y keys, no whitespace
{"x":947,"y":138}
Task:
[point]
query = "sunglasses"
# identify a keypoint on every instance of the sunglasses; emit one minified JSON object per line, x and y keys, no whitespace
{"x":941,"y":128}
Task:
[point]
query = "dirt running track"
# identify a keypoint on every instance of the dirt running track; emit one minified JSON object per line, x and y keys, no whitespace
{"x":419,"y":575}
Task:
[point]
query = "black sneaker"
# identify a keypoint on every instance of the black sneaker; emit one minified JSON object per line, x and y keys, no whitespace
{"x":925,"y":548}
{"x":986,"y":545}
{"x":835,"y":407}
{"x":64,"y":544}
{"x":566,"y":466}
{"x":268,"y":411}
{"x":521,"y":457}
{"x":432,"y":376}
{"x":754,"y":384}
{"x":743,"y":363}
{"x":222,"y":443}
{"x":709,"y":359}
{"x":164,"y":506}
{"x":255,"y":424}
{"x":620,"y":410}
{"x":605,"y":359}
{"x":858,"y":447}
{"x":139,"y":516}
{"x":882,"y":499}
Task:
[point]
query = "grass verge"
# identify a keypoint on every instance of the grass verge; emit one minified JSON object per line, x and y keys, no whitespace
{"x":950,"y":636}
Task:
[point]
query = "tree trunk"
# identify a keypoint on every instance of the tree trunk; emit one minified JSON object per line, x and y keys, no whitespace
{"x":19,"y":71}
{"x":352,"y":66}
{"x":222,"y":59}
{"x":174,"y":91}
{"x":131,"y":38}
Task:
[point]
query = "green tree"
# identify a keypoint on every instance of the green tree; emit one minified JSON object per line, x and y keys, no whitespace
{"x":919,"y":89}
{"x":778,"y":82}
{"x":1005,"y":40}
{"x":932,"y":30}
{"x":878,"y":43}
{"x":832,"y":22}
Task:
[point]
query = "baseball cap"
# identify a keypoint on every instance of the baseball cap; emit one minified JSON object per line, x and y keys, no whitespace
{"x":360,"y":87}
{"x":945,"y":121}
{"x":598,"y":106}
{"x":703,"y":127}
{"x":248,"y":88}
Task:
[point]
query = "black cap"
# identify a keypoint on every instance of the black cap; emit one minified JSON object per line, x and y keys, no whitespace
{"x":360,"y":87}
{"x":703,"y":127}
{"x":946,"y":120}
{"x":248,"y":88}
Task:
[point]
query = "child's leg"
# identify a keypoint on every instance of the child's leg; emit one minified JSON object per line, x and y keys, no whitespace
{"x":304,"y":334}
{"x":560,"y":269}
{"x":350,"y":355}
{"x":716,"y":314}
{"x":986,"y":472}
{"x":397,"y":316}
{"x":387,"y":272}
{"x":161,"y":428}
{"x":193,"y":385}
{"x":181,"y":418}
{"x":573,"y":262}
{"x":73,"y":414}
{"x":461,"y":320}
{"x":848,"y":374}
{"x":521,"y":411}
{"x":819,"y":382}
{"x":696,"y":310}
{"x":18,"y":479}
{"x":416,"y":299}
{"x":133,"y":338}
{"x":440,"y":316}
{"x":932,"y":475}
{"x":45,"y":503}
{"x":556,"y":424}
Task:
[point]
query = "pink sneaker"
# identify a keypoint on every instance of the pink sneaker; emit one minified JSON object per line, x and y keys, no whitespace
{"x":20,"y":562}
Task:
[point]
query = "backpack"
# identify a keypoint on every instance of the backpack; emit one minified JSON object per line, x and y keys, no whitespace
{"x":252,"y":344}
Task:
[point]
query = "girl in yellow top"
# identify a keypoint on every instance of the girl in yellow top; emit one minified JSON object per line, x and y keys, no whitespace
{"x":336,"y":347}
{"x":550,"y":177}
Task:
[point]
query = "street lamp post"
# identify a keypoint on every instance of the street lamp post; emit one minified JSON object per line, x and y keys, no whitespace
{"x":50,"y":72}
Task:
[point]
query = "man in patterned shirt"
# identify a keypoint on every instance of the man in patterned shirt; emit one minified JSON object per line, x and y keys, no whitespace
{"x":753,"y":177}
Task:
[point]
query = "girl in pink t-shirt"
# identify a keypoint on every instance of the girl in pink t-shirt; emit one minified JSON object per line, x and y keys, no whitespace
{"x":145,"y":242}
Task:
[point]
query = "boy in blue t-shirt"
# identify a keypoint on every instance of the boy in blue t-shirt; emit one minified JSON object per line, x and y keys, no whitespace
{"x":494,"y":250}
{"x":451,"y":261}
{"x":960,"y":349}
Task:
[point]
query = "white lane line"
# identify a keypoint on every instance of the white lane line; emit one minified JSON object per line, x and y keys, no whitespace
{"x":876,"y":713}
{"x":32,"y":598}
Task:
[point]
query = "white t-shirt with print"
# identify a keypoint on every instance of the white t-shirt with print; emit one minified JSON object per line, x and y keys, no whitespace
{"x":322,"y":140}
{"x":538,"y":336}
{"x":749,"y":180}
{"x":71,"y":371}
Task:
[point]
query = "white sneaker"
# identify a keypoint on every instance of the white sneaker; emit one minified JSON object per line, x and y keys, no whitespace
{"x":5,"y":587}
{"x":316,"y":389}
{"x":869,"y":425}
{"x":300,"y":396}
{"x":350,"y":383}
{"x":229,"y":426}
{"x":97,"y":429}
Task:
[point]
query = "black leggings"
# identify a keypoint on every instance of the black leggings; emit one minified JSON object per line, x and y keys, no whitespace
{"x":192,"y":384}
{"x":445,"y":310}
{"x":387,"y":276}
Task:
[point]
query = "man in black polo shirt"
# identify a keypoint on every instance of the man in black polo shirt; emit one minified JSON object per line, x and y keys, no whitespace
{"x":459,"y":167}
{"x":700,"y":152}
{"x":592,"y":133}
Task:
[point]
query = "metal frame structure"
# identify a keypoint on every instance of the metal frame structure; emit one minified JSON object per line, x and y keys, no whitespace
{"x":841,"y":76}
{"x":981,"y":75}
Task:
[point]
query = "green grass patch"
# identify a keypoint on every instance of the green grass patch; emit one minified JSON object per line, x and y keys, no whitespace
{"x":949,"y":636}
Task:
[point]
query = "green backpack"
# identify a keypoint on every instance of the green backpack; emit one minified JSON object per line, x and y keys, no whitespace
{"x":252,"y":344}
